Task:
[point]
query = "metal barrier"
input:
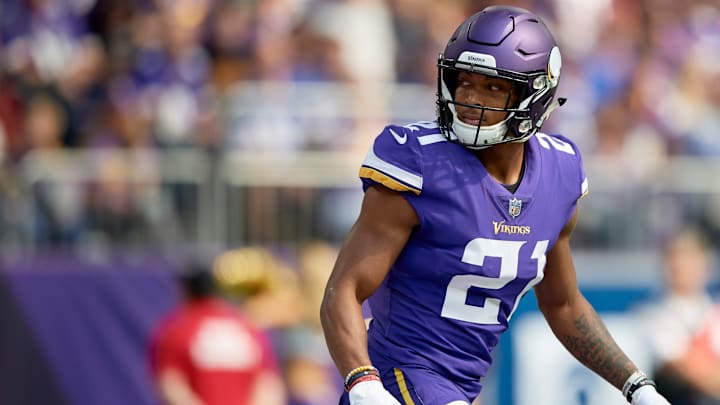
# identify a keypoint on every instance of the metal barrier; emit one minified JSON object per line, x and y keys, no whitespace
{"x":268,"y":198}
{"x":149,"y":197}
{"x":114,"y":196}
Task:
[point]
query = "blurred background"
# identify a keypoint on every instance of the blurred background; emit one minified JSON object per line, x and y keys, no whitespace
{"x":136,"y":132}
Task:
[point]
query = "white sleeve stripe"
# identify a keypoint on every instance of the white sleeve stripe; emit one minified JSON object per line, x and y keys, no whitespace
{"x":584,"y":188}
{"x":430,"y":139}
{"x":372,"y":161}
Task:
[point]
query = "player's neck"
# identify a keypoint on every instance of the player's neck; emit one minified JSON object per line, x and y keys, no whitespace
{"x":503,"y":162}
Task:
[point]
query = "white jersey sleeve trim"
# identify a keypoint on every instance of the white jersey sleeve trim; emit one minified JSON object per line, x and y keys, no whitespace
{"x":374,"y":162}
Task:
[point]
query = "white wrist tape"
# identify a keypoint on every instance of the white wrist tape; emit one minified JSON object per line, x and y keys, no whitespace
{"x":634,"y":378}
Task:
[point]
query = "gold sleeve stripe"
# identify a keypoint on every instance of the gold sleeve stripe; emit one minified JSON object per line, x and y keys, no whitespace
{"x":401,"y":175}
{"x":400,"y":378}
{"x":385,"y":180}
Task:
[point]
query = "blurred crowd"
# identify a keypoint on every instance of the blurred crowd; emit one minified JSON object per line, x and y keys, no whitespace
{"x":281,"y":76}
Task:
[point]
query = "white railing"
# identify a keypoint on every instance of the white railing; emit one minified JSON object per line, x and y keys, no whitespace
{"x":241,"y":197}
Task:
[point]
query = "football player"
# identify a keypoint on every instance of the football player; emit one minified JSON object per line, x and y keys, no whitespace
{"x":461,"y":217}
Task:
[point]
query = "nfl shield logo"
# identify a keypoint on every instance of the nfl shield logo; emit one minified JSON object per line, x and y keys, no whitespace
{"x":514,"y":207}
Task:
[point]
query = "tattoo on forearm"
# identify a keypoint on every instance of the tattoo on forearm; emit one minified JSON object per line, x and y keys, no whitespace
{"x":594,"y":347}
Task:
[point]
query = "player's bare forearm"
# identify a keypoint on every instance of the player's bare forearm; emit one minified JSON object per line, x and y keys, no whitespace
{"x":351,"y":281}
{"x":374,"y":242}
{"x":344,"y":329}
{"x":583,"y":333}
{"x":573,"y":320}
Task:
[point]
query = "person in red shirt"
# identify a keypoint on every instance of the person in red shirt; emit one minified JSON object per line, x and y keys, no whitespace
{"x":208,"y":353}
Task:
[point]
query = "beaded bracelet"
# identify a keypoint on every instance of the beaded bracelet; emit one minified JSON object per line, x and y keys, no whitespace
{"x":356,"y":381}
{"x":357,"y":376}
{"x":359,"y":372}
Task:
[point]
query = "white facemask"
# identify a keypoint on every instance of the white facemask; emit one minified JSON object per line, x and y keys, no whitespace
{"x":487,"y":135}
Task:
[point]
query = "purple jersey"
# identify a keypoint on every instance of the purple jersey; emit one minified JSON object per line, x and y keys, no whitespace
{"x":479,"y":248}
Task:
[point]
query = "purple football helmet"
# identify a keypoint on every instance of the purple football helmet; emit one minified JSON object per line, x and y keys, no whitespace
{"x":510,"y":43}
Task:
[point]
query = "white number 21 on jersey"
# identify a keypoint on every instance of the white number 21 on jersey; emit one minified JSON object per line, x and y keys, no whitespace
{"x":476,"y":251}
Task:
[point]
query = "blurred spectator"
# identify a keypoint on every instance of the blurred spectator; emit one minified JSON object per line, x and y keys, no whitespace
{"x":364,"y":32}
{"x":287,"y":303}
{"x":208,"y":353}
{"x":48,"y":45}
{"x":266,"y":288}
{"x":57,"y":217}
{"x":683,"y":326}
{"x":11,"y":109}
{"x":124,"y":206}
{"x":232,"y":30}
{"x":170,"y":71}
{"x":692,"y":109}
{"x":311,"y":375}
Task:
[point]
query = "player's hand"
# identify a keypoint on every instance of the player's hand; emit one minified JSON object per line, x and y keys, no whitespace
{"x":371,"y":393}
{"x":647,"y":395}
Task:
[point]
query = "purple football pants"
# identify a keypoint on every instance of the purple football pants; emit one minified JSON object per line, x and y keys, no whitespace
{"x":418,"y":386}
